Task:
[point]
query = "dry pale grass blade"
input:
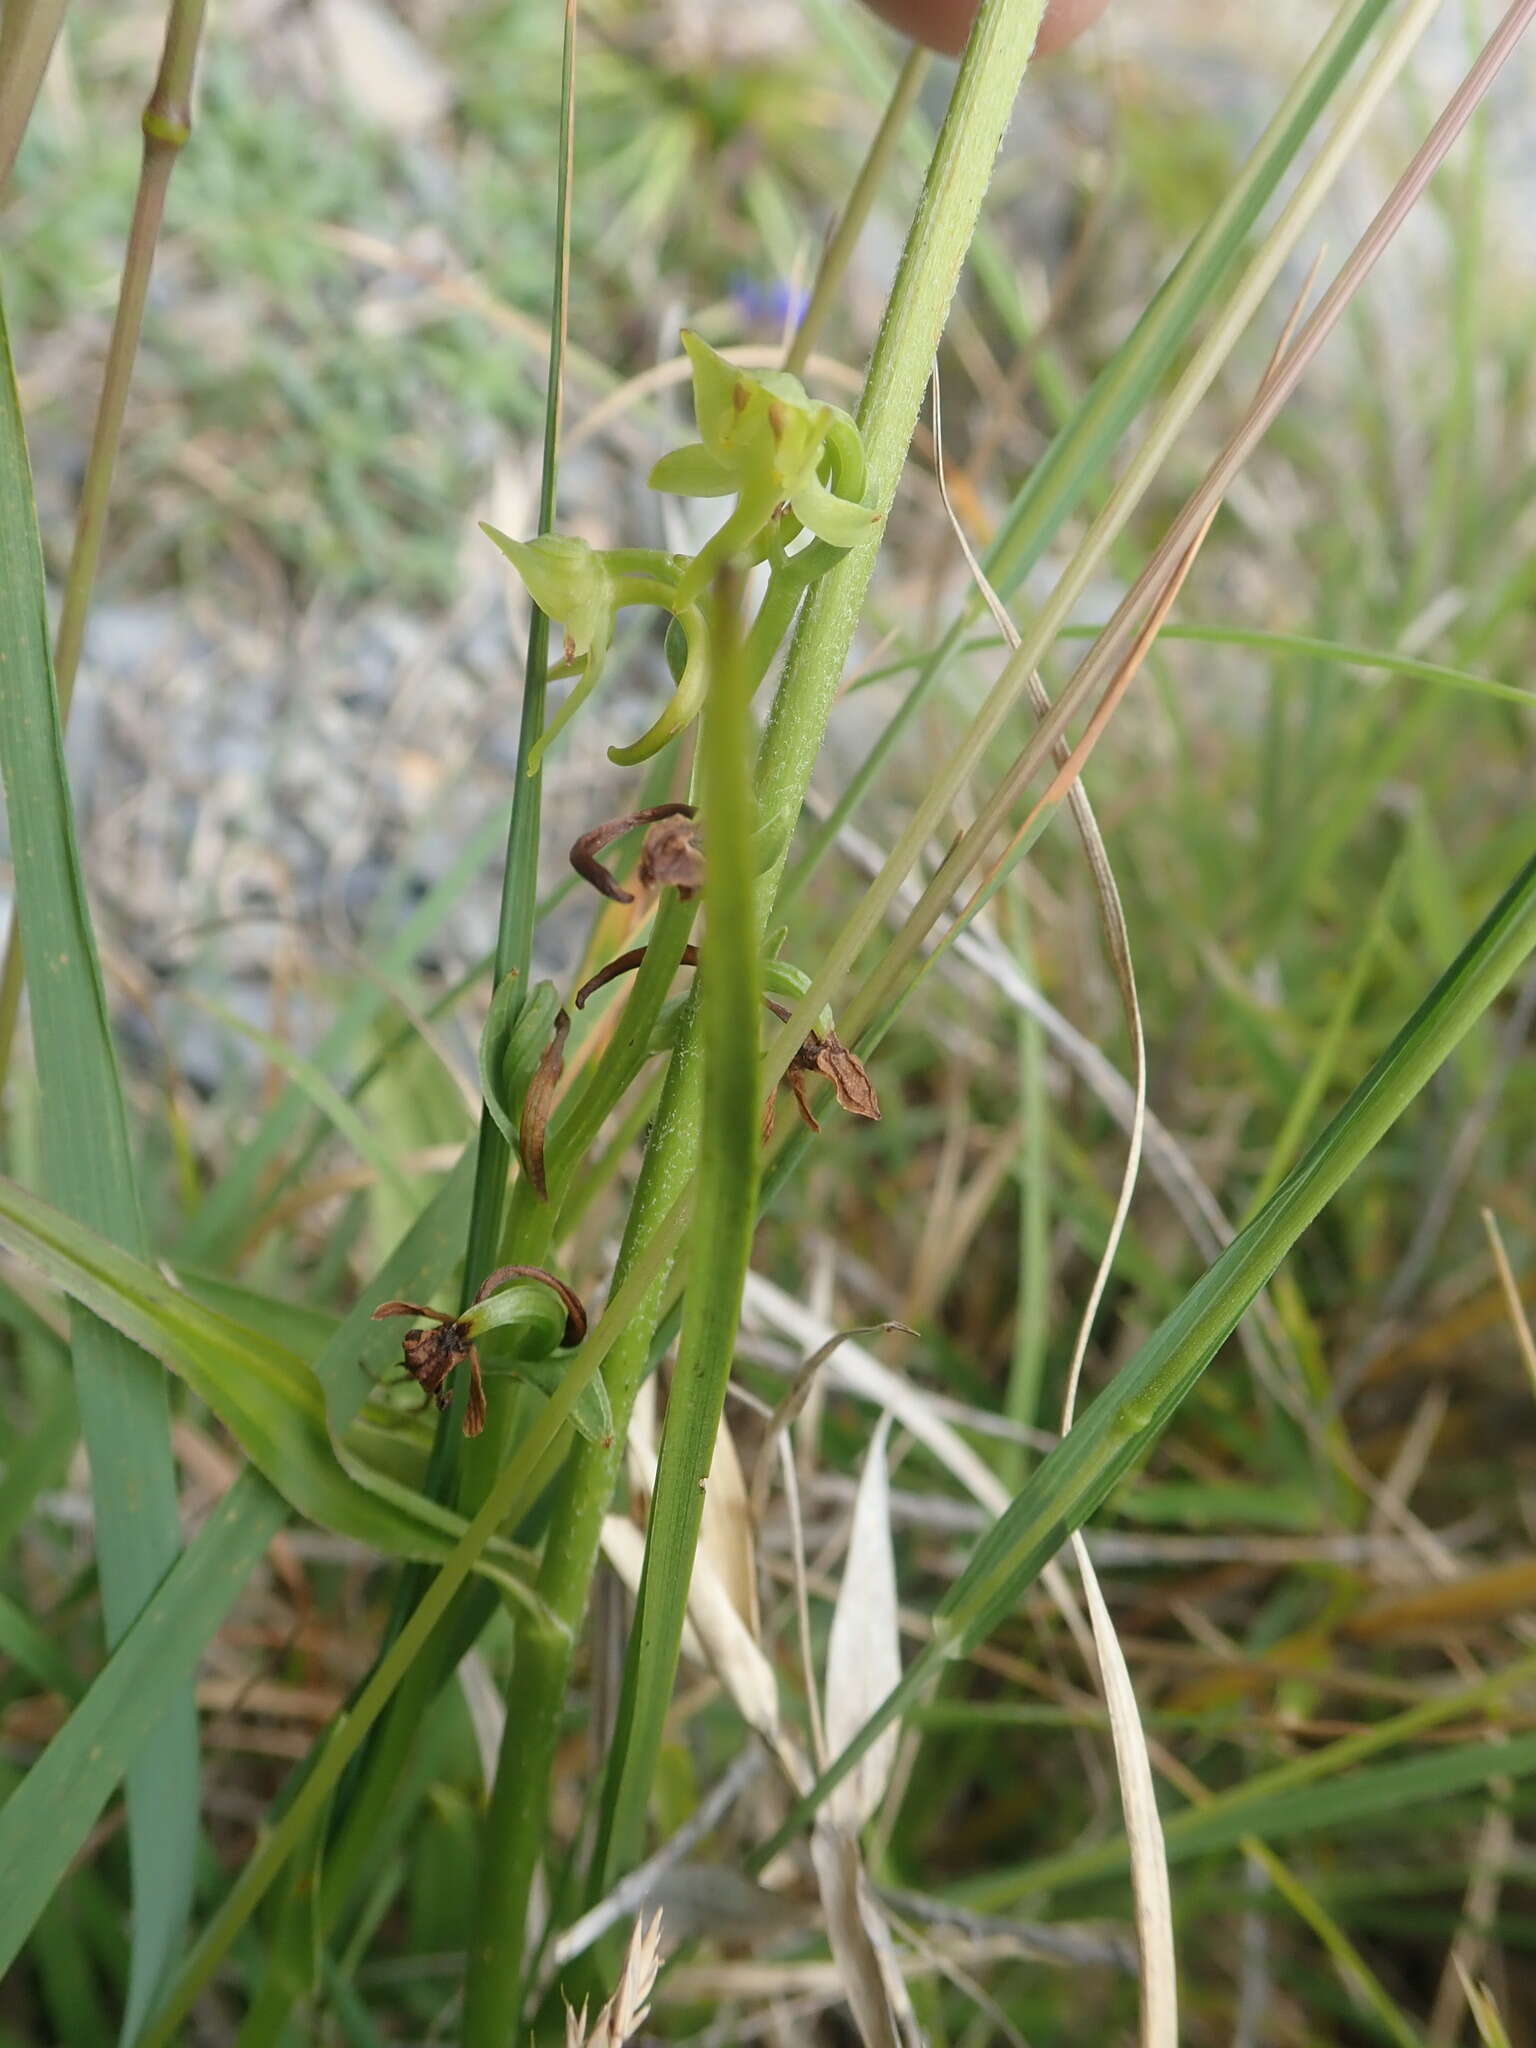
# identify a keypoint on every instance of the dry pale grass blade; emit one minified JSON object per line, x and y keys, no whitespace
{"x":1519,"y":1321}
{"x":802,"y":1597}
{"x":1480,"y":1904}
{"x":726,"y":1540}
{"x":861,"y":1374}
{"x":864,"y":1645}
{"x":859,"y":1937}
{"x":714,"y":1634}
{"x":1143,"y":1824}
{"x":1150,"y":1886}
{"x":625,"y":2013}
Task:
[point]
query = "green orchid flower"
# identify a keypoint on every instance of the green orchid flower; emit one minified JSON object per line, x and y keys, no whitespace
{"x":763,"y":438}
{"x":584,"y":588}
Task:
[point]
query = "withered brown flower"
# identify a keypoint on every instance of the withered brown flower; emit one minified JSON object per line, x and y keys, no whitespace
{"x":670,"y":853}
{"x":430,"y":1355}
{"x":824,"y":1053}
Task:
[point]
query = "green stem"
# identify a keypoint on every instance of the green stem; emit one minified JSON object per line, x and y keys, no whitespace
{"x":515,"y":1826}
{"x":728,"y":1166}
{"x":167,"y":126}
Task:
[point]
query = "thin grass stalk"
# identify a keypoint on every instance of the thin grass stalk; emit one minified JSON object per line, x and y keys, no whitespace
{"x":87,"y":1160}
{"x":872,"y":177}
{"x":520,"y":880}
{"x":989,"y":719}
{"x":28,"y":31}
{"x":167,"y":126}
{"x":1121,"y":1426}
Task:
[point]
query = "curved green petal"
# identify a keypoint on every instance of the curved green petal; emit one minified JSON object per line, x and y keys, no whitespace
{"x":832,"y":518}
{"x":685,"y":702}
{"x":692,"y":472}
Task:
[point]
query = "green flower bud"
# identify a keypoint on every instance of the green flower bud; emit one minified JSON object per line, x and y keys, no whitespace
{"x":570,"y":582}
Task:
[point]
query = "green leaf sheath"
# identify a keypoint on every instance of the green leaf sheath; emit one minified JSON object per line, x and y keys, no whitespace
{"x":1122,"y":1425}
{"x":88,"y":1167}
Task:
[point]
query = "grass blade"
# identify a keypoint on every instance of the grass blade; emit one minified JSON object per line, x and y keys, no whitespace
{"x":88,"y":1166}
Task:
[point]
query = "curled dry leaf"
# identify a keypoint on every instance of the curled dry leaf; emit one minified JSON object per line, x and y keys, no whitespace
{"x":864,"y":1646}
{"x":583,"y":854}
{"x":625,"y":963}
{"x":851,"y":1084}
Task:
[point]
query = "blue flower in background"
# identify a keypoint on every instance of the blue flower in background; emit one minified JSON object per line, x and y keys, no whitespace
{"x":775,"y":303}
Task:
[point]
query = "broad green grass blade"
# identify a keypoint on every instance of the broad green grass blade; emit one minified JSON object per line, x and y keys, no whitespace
{"x":45,"y":1822}
{"x":266,"y":1396}
{"x":727,"y":1203}
{"x":1128,"y":1417}
{"x":88,"y":1167}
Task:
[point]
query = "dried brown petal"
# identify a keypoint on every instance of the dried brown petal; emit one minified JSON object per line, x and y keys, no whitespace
{"x":537,"y":1104}
{"x":407,"y":1308}
{"x":796,"y":1080}
{"x":671,"y":856}
{"x":575,"y":1314}
{"x":474,"y":1407}
{"x":851,"y":1085}
{"x":626,"y":963}
{"x":584,"y":852}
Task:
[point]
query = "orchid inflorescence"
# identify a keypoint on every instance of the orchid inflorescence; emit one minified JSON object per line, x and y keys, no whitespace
{"x":795,"y":467}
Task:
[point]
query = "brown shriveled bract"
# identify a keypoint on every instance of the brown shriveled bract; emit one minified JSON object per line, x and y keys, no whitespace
{"x":537,"y":1104}
{"x":624,"y":963}
{"x":670,"y":853}
{"x":429,"y":1356}
{"x":824,"y":1053}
